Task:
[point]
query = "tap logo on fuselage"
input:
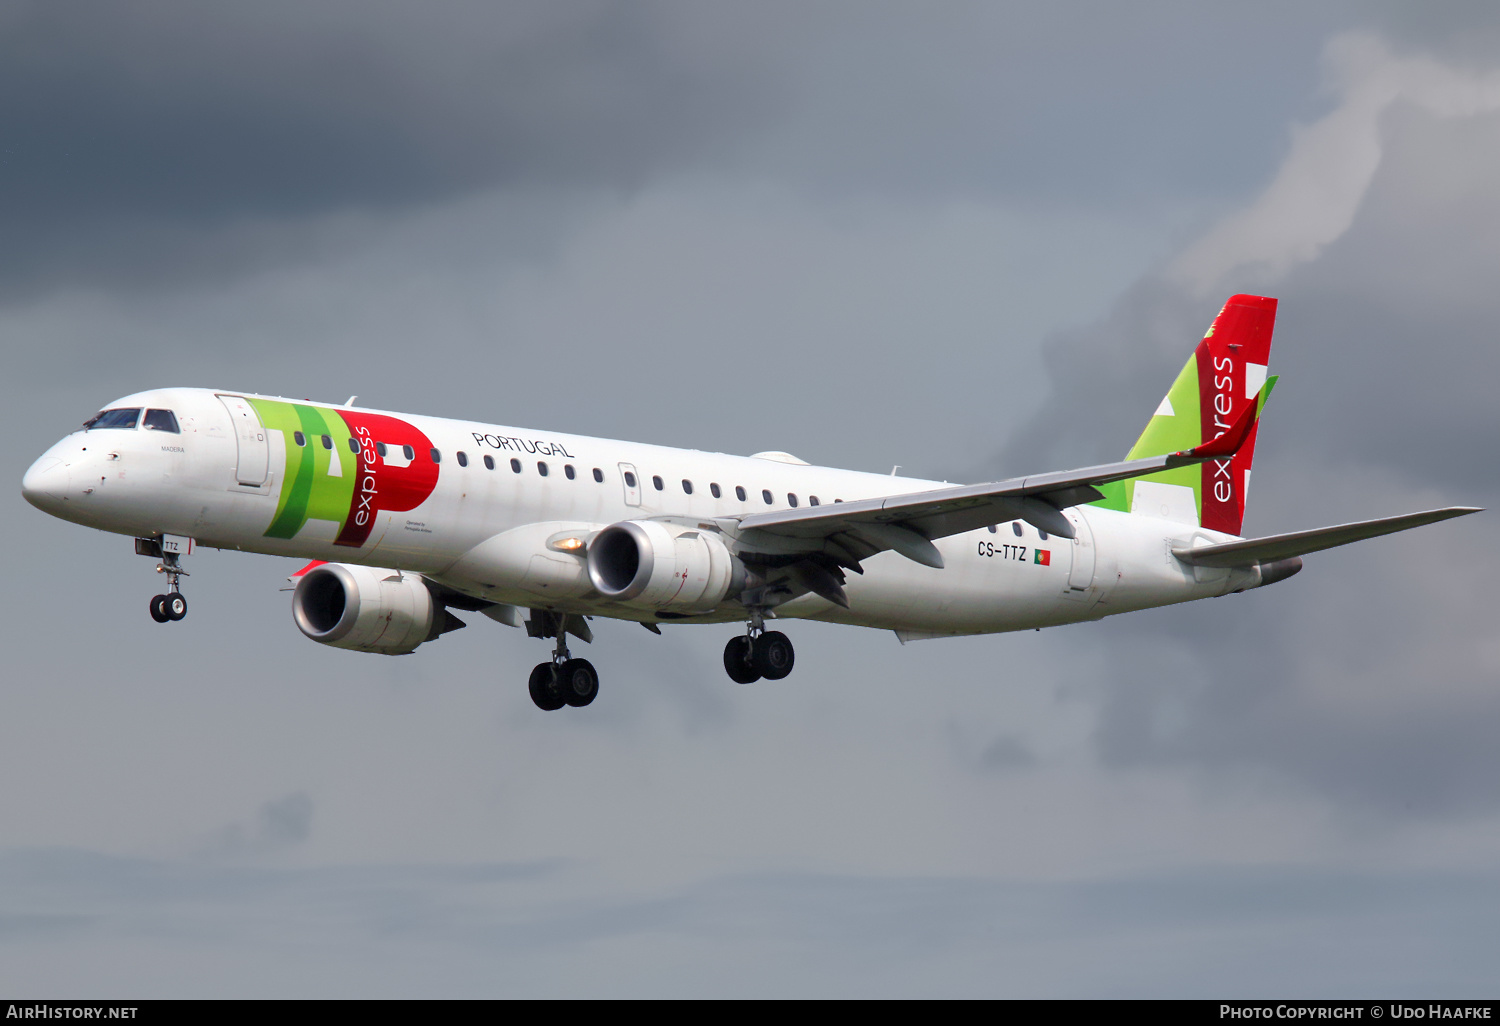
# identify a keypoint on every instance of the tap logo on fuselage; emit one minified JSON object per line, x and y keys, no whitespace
{"x":345,"y":466}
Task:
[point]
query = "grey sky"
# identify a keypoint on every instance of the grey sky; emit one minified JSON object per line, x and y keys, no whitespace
{"x":969,"y":239}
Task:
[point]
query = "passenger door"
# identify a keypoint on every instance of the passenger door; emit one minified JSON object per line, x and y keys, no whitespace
{"x":253,"y":463}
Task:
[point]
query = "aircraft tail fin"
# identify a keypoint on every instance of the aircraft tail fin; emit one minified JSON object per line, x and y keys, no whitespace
{"x":1226,"y":371}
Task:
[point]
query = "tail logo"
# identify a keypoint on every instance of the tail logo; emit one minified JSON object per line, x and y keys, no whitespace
{"x":1227,"y":370}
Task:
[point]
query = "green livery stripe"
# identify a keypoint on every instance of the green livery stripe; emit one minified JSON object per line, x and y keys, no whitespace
{"x":332,"y":493}
{"x":1265,"y":393}
{"x":308,"y":489}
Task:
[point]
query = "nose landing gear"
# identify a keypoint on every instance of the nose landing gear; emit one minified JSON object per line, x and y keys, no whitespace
{"x":172,"y":605}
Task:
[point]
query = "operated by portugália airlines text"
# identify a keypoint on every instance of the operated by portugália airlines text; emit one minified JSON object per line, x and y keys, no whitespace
{"x":1395,"y":1011}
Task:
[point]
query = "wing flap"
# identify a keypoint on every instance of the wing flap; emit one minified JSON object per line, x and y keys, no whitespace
{"x":1299,"y":543}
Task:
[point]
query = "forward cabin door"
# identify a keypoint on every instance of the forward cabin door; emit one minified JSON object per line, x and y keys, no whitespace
{"x":253,"y":465}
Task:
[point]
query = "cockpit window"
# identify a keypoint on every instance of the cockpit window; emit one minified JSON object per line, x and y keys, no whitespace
{"x":114,"y":419}
{"x":161,"y":420}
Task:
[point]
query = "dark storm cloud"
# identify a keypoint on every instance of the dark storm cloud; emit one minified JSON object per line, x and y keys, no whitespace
{"x":185,"y":111}
{"x":136,"y":136}
{"x":1396,"y":322}
{"x":1365,"y":678}
{"x":159,"y":122}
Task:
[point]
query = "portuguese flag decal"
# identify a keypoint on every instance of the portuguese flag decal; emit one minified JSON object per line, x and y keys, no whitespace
{"x":1043,"y":556}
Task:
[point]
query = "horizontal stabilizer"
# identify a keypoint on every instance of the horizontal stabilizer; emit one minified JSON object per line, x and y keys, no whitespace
{"x":1283,"y":546}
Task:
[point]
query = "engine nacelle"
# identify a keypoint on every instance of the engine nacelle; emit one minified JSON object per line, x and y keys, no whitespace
{"x":663,"y":567}
{"x":365,"y":608}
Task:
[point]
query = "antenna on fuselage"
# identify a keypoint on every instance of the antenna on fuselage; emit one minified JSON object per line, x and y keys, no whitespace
{"x":351,"y":401}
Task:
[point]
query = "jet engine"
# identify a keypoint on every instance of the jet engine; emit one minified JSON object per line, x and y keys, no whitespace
{"x":368,"y":609}
{"x":663,"y":567}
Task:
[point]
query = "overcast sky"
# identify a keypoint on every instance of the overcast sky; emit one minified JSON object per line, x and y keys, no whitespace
{"x":974,"y":240}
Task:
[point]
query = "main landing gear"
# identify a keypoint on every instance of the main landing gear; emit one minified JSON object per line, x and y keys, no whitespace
{"x":564,"y":680}
{"x":758,"y":653}
{"x":172,"y":605}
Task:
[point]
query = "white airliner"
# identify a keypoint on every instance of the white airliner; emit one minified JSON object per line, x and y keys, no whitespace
{"x":407,"y":518}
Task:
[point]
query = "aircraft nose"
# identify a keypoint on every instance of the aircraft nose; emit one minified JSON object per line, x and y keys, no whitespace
{"x":46,"y":484}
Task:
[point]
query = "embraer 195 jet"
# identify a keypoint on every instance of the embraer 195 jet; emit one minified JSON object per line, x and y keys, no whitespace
{"x":407,"y":518}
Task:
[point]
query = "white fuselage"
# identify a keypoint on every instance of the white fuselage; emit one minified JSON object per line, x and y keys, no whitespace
{"x":485,"y":531}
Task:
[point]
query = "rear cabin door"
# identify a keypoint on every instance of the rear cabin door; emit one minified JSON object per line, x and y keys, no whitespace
{"x":1081,"y":572}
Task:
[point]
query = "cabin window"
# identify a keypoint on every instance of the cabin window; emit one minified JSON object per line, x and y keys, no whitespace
{"x":812,"y":500}
{"x":380,"y":449}
{"x":353,"y":445}
{"x":462,"y":457}
{"x":1041,"y":534}
{"x":791,"y":497}
{"x":739,"y":492}
{"x":113,"y":419}
{"x":541,"y":468}
{"x":713,"y":486}
{"x":327,"y":442}
{"x":569,"y":472}
{"x":765,"y":493}
{"x":515,"y":465}
{"x":598,"y":475}
{"x":489,"y":463}
{"x":1016,"y":527}
{"x":409,"y":453}
{"x":838,"y":500}
{"x":687,"y":487}
{"x":299,"y":438}
{"x":993,"y":529}
{"x":161,"y":420}
{"x":437,"y":457}
{"x":629,"y":479}
{"x":656,"y":480}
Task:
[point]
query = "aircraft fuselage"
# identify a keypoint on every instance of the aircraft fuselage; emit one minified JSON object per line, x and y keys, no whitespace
{"x":472,"y":506}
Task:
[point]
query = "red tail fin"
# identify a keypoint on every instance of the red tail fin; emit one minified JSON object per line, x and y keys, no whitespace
{"x":1232,"y":361}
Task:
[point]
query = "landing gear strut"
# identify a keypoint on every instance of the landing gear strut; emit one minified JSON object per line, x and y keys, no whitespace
{"x":758,"y":653}
{"x":564,"y":680}
{"x":172,"y":605}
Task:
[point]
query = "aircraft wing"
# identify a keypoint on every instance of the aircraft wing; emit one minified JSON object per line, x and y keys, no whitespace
{"x":907,"y":523}
{"x":1300,"y":543}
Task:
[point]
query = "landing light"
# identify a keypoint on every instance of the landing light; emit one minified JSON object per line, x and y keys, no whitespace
{"x":568,"y":544}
